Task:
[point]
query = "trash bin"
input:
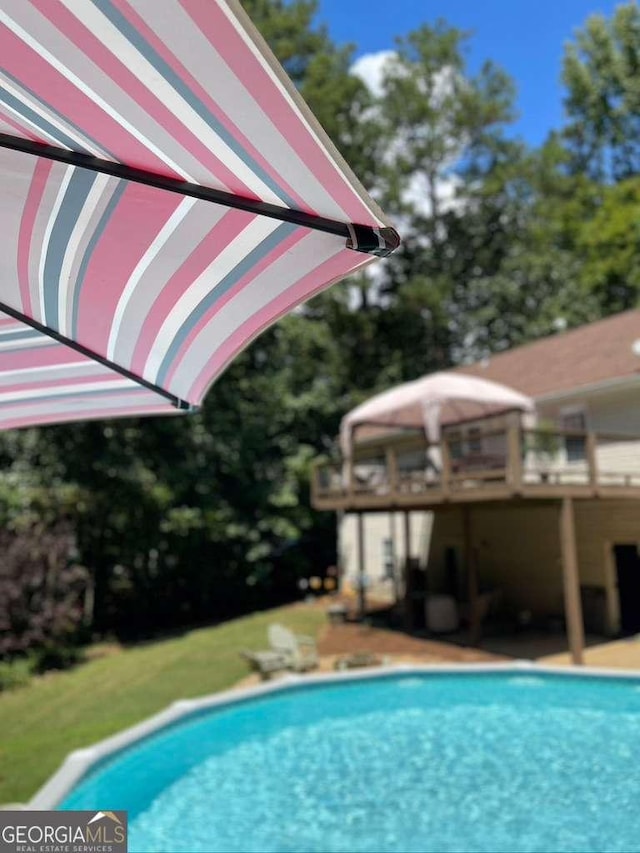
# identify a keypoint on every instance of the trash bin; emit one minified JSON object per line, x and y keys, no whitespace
{"x":442,"y":614}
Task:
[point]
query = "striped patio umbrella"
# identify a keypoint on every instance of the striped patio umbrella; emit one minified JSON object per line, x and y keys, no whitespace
{"x":166,"y":195}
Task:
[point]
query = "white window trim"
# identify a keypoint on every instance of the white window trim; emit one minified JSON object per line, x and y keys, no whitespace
{"x":569,"y":411}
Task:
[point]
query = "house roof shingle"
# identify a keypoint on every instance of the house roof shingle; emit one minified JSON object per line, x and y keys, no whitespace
{"x":581,"y":357}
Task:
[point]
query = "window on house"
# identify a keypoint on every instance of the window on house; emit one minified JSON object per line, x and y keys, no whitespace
{"x":388,"y":560}
{"x":454,"y":440}
{"x":575,"y":445}
{"x":474,"y":440}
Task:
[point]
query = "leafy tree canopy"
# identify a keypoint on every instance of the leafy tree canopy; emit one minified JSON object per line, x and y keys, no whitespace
{"x":602,"y":74}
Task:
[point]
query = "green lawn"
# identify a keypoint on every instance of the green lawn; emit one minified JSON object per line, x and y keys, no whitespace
{"x":59,"y":712}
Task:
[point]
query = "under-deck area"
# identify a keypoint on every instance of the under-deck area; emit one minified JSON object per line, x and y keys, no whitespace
{"x":551,"y":474}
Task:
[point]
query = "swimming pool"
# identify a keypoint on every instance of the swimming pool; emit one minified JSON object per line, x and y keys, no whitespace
{"x":516,"y":760}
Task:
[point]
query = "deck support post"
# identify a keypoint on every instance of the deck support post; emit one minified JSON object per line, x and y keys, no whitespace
{"x":592,"y":459}
{"x":407,"y":537}
{"x":472,"y":576}
{"x":571,"y":581}
{"x":393,"y":556}
{"x":445,"y":467}
{"x":351,"y":474}
{"x":362,"y":592}
{"x":391,"y":463}
{"x":514,"y":457}
{"x":408,"y":580}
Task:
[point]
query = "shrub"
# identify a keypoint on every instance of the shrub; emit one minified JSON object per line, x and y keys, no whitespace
{"x":41,"y":590}
{"x":55,"y":657}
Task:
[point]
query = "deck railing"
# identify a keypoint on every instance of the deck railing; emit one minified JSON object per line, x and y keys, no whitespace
{"x":509,"y":461}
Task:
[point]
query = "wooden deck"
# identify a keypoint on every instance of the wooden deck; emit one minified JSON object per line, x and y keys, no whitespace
{"x":512,"y":463}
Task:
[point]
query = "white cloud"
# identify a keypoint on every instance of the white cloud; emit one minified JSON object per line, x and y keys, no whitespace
{"x":417,"y":195}
{"x":370,"y":69}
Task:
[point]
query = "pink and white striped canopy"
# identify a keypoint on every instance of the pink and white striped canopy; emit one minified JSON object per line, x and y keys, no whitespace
{"x":166,"y":196}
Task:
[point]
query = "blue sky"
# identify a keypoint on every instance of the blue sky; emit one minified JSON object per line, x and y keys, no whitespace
{"x":525,"y":37}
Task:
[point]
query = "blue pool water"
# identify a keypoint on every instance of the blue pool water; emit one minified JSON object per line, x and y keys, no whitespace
{"x":443,"y":762}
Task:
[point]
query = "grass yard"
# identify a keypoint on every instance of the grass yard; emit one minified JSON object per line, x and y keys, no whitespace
{"x":59,"y":712}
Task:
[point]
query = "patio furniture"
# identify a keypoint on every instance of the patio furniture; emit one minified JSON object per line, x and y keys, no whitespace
{"x":265,"y":663}
{"x":298,"y":650}
{"x":295,"y":652}
{"x":337,"y":613}
{"x":358,"y":660}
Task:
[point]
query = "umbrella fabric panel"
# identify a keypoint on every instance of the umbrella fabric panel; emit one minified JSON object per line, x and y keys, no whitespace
{"x":310,"y":263}
{"x":128,"y":117}
{"x":184,"y":89}
{"x":132,"y":401}
{"x":44,"y":381}
{"x":166,"y":287}
{"x":9,"y":127}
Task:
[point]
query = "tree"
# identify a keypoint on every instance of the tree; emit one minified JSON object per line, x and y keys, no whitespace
{"x":441,"y":120}
{"x":445,"y":131}
{"x":518,"y":273}
{"x":601,"y":73}
{"x":609,"y":243}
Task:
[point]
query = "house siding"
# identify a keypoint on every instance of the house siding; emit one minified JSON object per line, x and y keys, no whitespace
{"x":377,"y":528}
{"x":517,"y":549}
{"x":616,"y":412}
{"x":600,"y":525}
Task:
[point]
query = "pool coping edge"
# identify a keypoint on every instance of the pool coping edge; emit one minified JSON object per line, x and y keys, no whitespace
{"x":78,"y":763}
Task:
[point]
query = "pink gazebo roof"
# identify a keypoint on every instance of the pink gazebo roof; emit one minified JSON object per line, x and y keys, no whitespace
{"x":419,"y":404}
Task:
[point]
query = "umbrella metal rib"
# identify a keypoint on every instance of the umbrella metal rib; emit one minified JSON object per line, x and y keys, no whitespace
{"x":183,"y":405}
{"x":361,"y":238}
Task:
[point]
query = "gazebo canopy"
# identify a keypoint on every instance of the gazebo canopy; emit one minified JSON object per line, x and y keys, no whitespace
{"x":166,"y":196}
{"x":419,"y":404}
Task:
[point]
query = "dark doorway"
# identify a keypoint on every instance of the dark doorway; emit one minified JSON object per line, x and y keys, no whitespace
{"x":628,"y":572}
